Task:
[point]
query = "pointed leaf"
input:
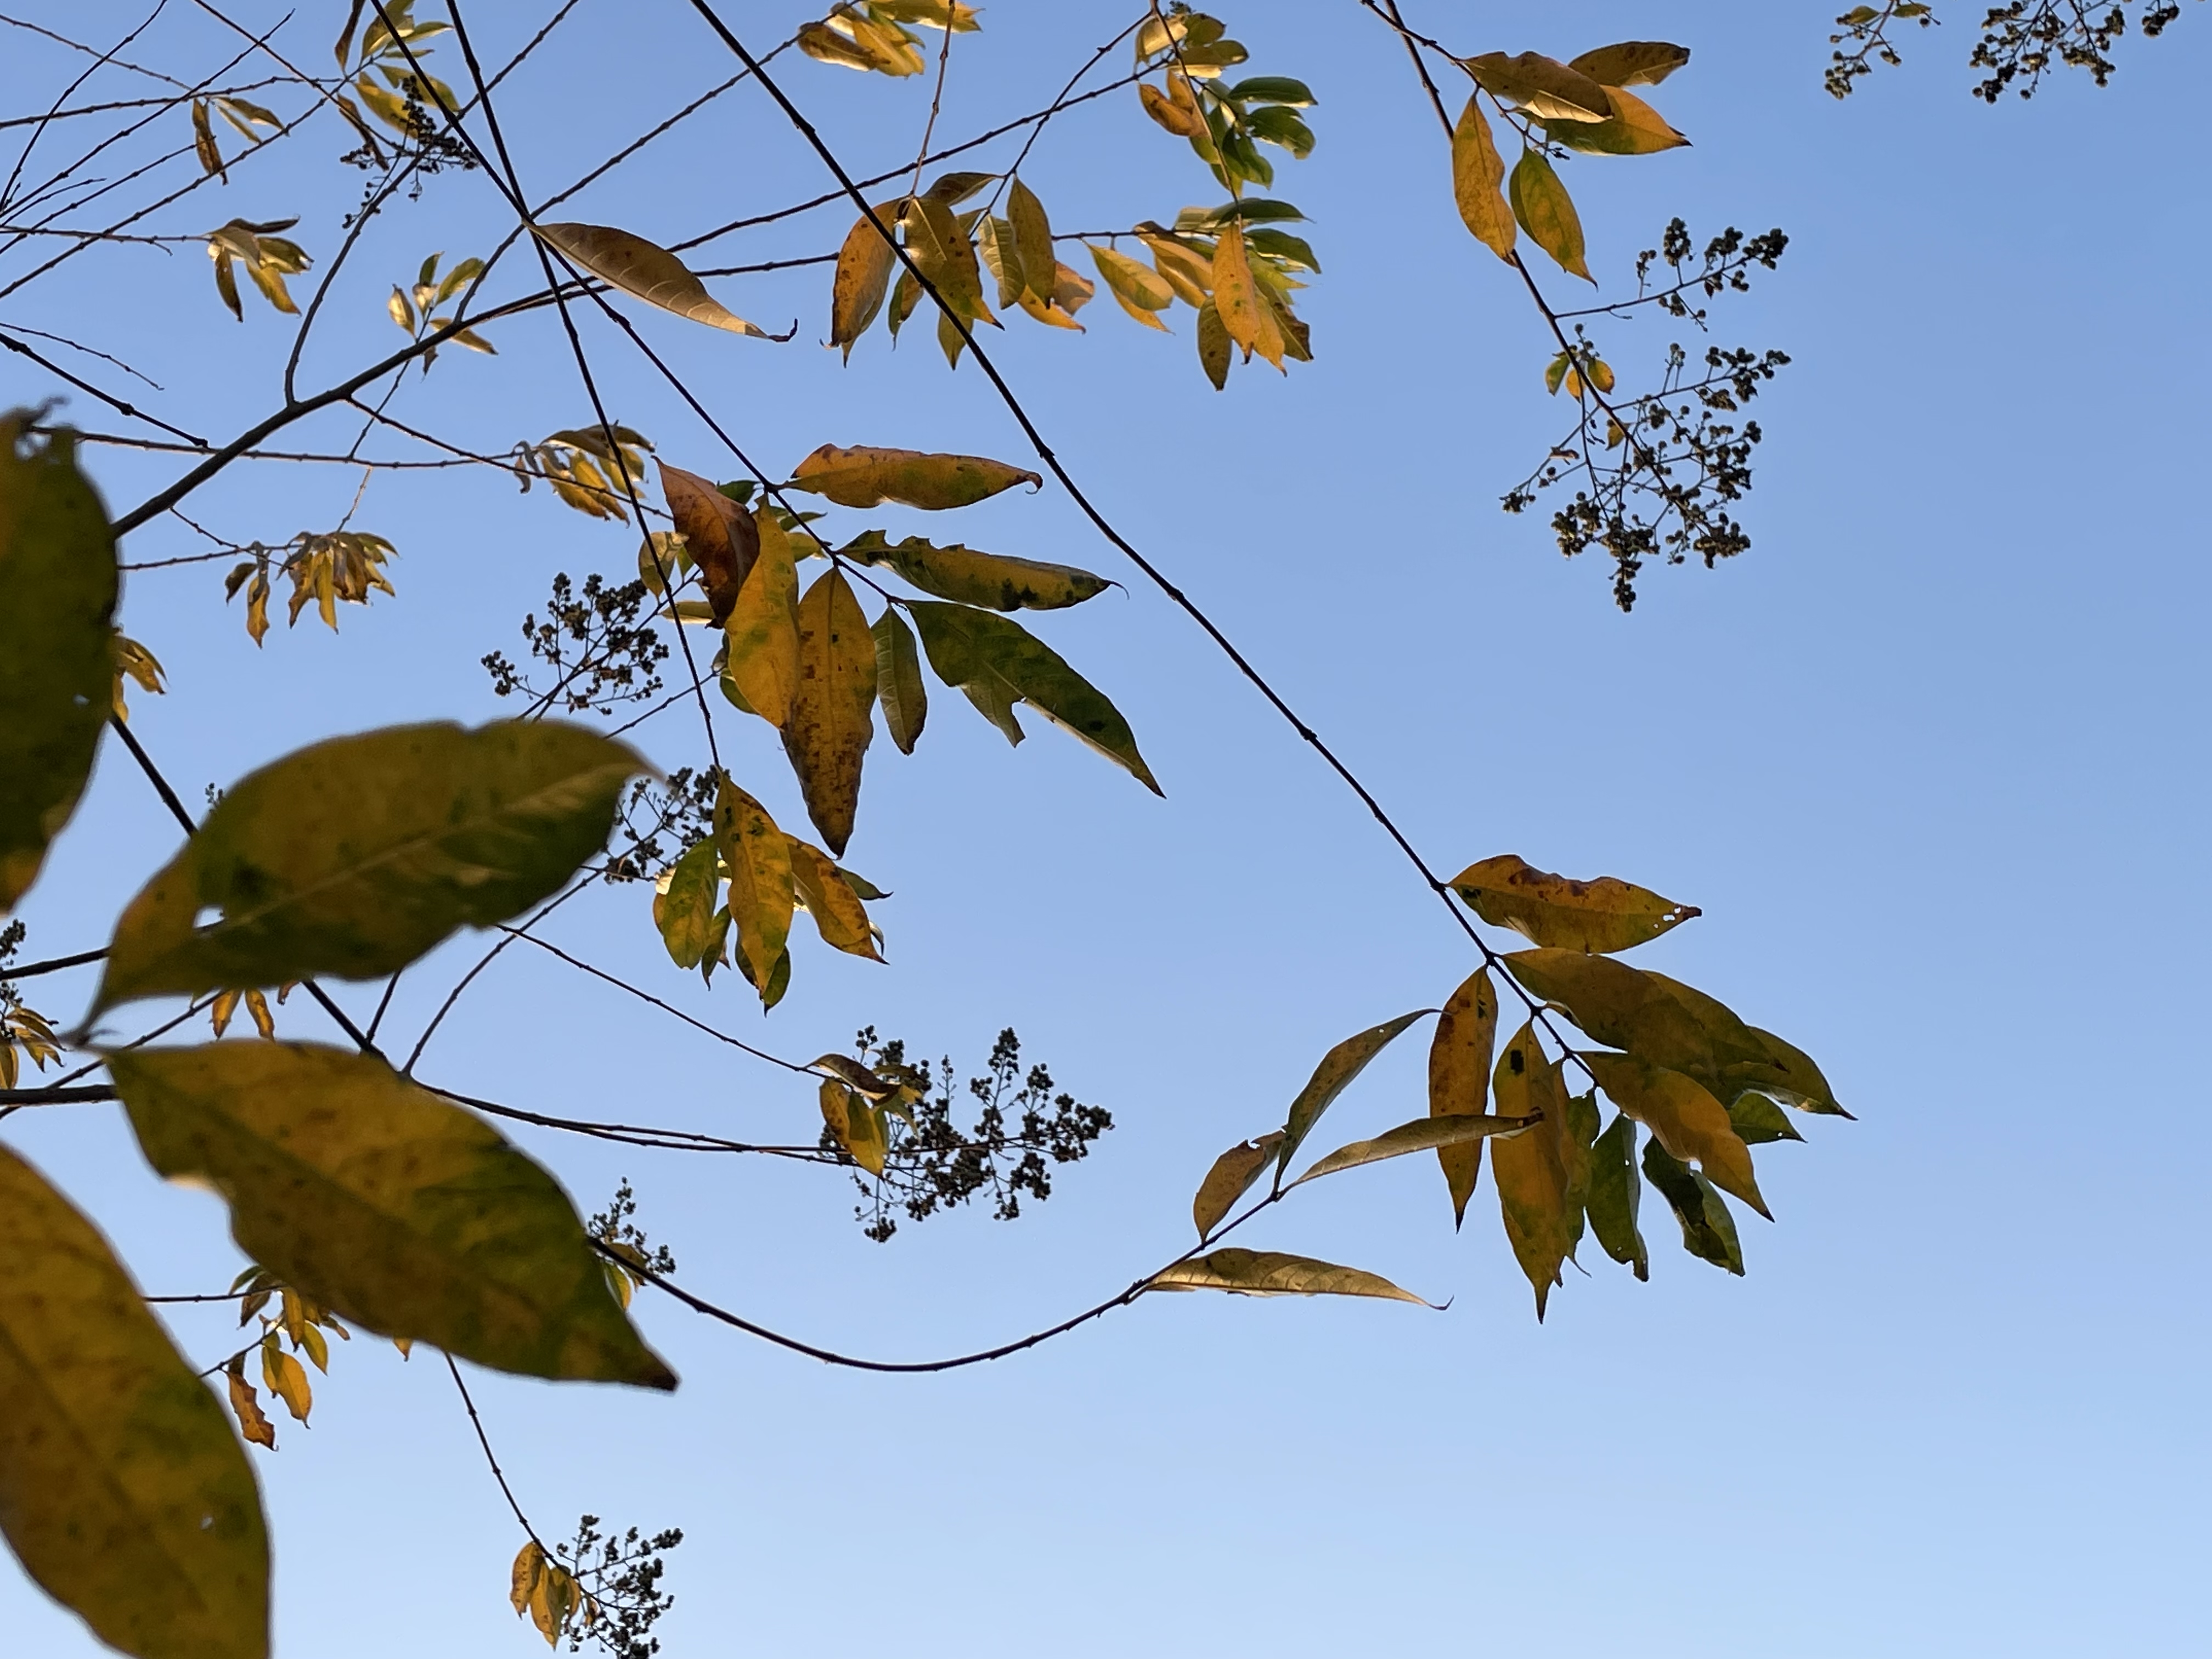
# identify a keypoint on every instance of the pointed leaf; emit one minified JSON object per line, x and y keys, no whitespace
{"x":643,"y":268}
{"x":393,"y":1208}
{"x":1631,"y":63}
{"x":758,"y":856}
{"x":1617,"y":1005}
{"x":1543,"y":85}
{"x":1635,"y":128}
{"x":992,"y":581}
{"x":1708,"y":1230}
{"x":1230,"y":1179}
{"x":57,"y":573}
{"x":1214,"y":345}
{"x":1547,"y":213}
{"x":1478,"y":171}
{"x":833,"y":713}
{"x":1459,"y":1079}
{"x":1683,"y":1113}
{"x":865,"y":265}
{"x":355,"y":856}
{"x":1338,"y":1067}
{"x":1600,"y":915}
{"x":1615,"y":1191}
{"x":868,"y":477}
{"x":900,"y":688}
{"x":122,"y":1490}
{"x":685,"y":913}
{"x":1535,"y":1172}
{"x":1139,"y":291}
{"x":1758,"y":1121}
{"x":762,"y":627}
{"x":522,"y":1578}
{"x":1423,"y":1135}
{"x":721,"y":536}
{"x":839,"y":916}
{"x":1270,"y":1273}
{"x":998,"y":662}
{"x":1032,"y":240}
{"x":1250,"y":322}
{"x":857,"y":1125}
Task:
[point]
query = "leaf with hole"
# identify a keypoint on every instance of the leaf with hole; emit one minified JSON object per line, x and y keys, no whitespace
{"x":1614,"y":1192}
{"x":355,"y":856}
{"x":1604,"y":914}
{"x":394,"y":1208}
{"x":122,"y":1491}
{"x":1230,"y":1179}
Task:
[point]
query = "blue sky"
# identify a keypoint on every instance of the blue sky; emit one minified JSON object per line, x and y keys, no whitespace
{"x":1929,"y":757}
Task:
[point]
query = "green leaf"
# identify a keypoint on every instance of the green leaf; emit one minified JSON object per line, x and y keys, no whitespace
{"x":685,"y":913}
{"x":1617,"y":1005}
{"x":1758,"y":1121}
{"x":394,"y":1208}
{"x":870,"y":476}
{"x":1338,"y":1067}
{"x":1535,"y":1173}
{"x":1605,"y":914}
{"x":1613,"y":1194}
{"x":999,"y":663}
{"x":1788,"y":1073}
{"x":1277,"y":126}
{"x":57,"y":573}
{"x":1459,"y":1079}
{"x":1547,"y":213}
{"x":1708,"y":1230}
{"x":1270,"y":1273}
{"x":645,"y":269}
{"x":1423,"y":1135}
{"x":1631,"y":63}
{"x":758,"y":856}
{"x":1246,"y":210}
{"x":1685,"y":1117}
{"x":900,"y":688}
{"x":833,"y":712}
{"x":1213,"y":345}
{"x":1293,"y":250}
{"x":992,"y":581}
{"x":1230,"y":1179}
{"x":122,"y":1489}
{"x":1270,"y":89}
{"x":355,"y":856}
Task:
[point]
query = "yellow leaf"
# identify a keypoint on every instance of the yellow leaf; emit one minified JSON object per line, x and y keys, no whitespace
{"x":522,"y":1578}
{"x":122,"y":1490}
{"x":868,"y":476}
{"x":1635,"y":128}
{"x":1543,"y":85}
{"x":863,"y":274}
{"x":251,"y":1422}
{"x":552,"y":1600}
{"x":1533,"y":1170}
{"x":994,"y":581}
{"x":1141,"y":290}
{"x":1690,"y":1123}
{"x":1459,"y":1079}
{"x":1032,"y":240}
{"x":400,"y":1211}
{"x":1230,"y":1179}
{"x":1547,"y":213}
{"x":1177,"y":108}
{"x":763,"y":626}
{"x":758,"y":858}
{"x":1631,"y":63}
{"x":1250,"y":323}
{"x":646,"y":270}
{"x":1270,"y":1273}
{"x":857,"y":1125}
{"x":941,"y":249}
{"x":1186,"y":269}
{"x":839,"y":916}
{"x":832,"y":712}
{"x":1604,"y":914}
{"x":287,"y":1379}
{"x":1476,"y":173}
{"x":1423,"y":1135}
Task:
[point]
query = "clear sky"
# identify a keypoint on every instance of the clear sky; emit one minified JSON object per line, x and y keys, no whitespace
{"x":1930,"y":758}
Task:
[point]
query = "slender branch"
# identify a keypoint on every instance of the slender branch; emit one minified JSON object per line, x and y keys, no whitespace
{"x":492,"y":1457}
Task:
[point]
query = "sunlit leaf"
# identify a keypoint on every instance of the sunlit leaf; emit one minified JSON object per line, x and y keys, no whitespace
{"x":1250,"y":322}
{"x":122,"y":1491}
{"x":1338,"y":1067}
{"x":1631,"y":63}
{"x":757,"y":856}
{"x":1535,"y":1172}
{"x":998,"y":663}
{"x":1032,"y":240}
{"x":1459,"y":1079}
{"x":57,"y":674}
{"x":900,"y":689}
{"x":685,"y":913}
{"x":1270,"y":1273}
{"x":1547,"y":213}
{"x":1635,"y":128}
{"x":1176,"y":107}
{"x":1543,"y":85}
{"x":1685,"y":1117}
{"x":1615,"y":1191}
{"x":356,"y":855}
{"x":857,"y":1124}
{"x":865,"y":264}
{"x":647,"y":270}
{"x":869,"y":476}
{"x":253,"y":1423}
{"x":1230,"y":1179}
{"x":940,"y":247}
{"x":1603,"y":914}
{"x":832,"y":712}
{"x":992,"y":581}
{"x":762,"y":628}
{"x":1139,"y":291}
{"x":396,"y":1210}
{"x":839,"y":916}
{"x":1708,"y":1230}
{"x":1617,"y":1005}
